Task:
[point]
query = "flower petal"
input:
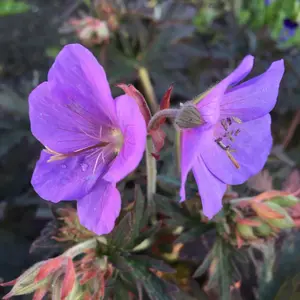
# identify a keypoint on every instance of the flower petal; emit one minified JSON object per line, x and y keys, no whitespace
{"x":99,"y":209}
{"x":67,"y":179}
{"x":190,"y":143}
{"x":209,"y":105}
{"x":255,"y":97}
{"x":252,"y":147}
{"x":133,"y":127}
{"x":211,"y":189}
{"x":57,"y":121}
{"x":76,"y":67}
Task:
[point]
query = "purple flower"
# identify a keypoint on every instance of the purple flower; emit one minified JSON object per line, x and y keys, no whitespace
{"x":91,"y":140}
{"x":288,"y":31}
{"x":235,"y":139}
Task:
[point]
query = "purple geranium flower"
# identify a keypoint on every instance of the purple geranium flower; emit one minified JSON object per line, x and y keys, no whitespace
{"x":91,"y":140}
{"x":235,"y":139}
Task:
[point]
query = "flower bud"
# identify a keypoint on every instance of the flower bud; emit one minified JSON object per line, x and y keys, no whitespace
{"x":188,"y":117}
{"x":245,"y":231}
{"x":281,"y":223}
{"x":263,"y":230}
{"x":285,"y":201}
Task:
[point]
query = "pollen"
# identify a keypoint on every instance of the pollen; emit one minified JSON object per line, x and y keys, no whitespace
{"x":117,"y":139}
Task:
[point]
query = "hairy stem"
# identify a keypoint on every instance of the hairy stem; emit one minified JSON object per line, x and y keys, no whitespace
{"x":165,"y":113}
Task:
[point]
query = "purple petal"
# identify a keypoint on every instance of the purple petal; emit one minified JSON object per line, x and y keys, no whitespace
{"x":99,"y":209}
{"x":68,"y":179}
{"x":252,"y":147}
{"x":209,"y":106}
{"x":133,"y":127}
{"x":190,"y":143}
{"x":57,"y":122}
{"x":211,"y":189}
{"x":255,"y":97}
{"x":76,"y":67}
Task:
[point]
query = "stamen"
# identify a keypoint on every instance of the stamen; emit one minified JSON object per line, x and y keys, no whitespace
{"x":224,"y":124}
{"x":229,"y":121}
{"x":224,"y":147}
{"x":233,"y":160}
{"x":237,"y":132}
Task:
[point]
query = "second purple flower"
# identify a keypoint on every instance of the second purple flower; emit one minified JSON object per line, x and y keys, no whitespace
{"x":234,"y":140}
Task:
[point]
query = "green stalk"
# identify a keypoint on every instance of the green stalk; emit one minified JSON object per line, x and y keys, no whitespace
{"x":148,"y":88}
{"x":151,"y":171}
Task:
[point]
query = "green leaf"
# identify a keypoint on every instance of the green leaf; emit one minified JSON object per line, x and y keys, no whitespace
{"x":170,"y":208}
{"x":280,"y":277}
{"x":204,"y":266}
{"x":195,"y":232}
{"x":139,"y":214}
{"x":11,"y":7}
{"x":156,"y":288}
{"x":153,"y":263}
{"x":122,"y":233}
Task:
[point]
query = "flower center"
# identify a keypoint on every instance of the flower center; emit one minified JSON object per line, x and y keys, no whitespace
{"x":227,"y":137}
{"x":106,"y":148}
{"x":117,"y":139}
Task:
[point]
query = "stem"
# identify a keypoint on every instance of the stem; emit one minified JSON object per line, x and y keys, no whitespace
{"x":149,"y":91}
{"x":292,"y":128}
{"x":165,"y":113}
{"x":80,"y":248}
{"x":151,"y":170}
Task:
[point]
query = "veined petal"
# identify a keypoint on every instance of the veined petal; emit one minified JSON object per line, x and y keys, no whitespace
{"x":67,"y":179}
{"x":251,"y":149}
{"x":76,"y":67}
{"x":190,"y":143}
{"x":60,"y":123}
{"x":133,"y":127}
{"x":209,"y":106}
{"x":255,"y":97}
{"x":211,"y":189}
{"x":98,"y":210}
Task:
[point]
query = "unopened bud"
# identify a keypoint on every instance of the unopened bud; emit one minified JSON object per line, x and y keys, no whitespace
{"x":245,"y":231}
{"x":285,"y":201}
{"x":263,"y":230}
{"x":188,"y":117}
{"x":281,"y":223}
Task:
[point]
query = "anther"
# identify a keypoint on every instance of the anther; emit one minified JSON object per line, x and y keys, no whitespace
{"x":237,"y":120}
{"x":233,"y":160}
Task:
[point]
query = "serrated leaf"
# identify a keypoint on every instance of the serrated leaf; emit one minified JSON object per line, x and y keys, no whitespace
{"x":122,"y":233}
{"x":153,"y":263}
{"x":155,"y":287}
{"x":139,"y":213}
{"x":170,"y":208}
{"x":120,"y":262}
{"x":193,"y":233}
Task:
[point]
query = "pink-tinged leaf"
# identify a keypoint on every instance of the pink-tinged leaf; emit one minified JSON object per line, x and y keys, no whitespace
{"x":88,"y":275}
{"x":40,"y":294}
{"x":261,"y":182}
{"x":132,"y":92}
{"x":69,"y":279}
{"x":158,"y":138}
{"x":49,"y":267}
{"x":165,"y":102}
{"x":239,"y":240}
{"x":249,"y":222}
{"x":292,"y":183}
{"x":265,"y":212}
{"x":9,"y":283}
